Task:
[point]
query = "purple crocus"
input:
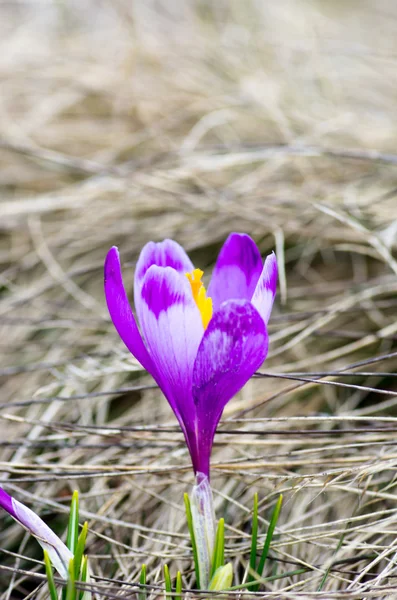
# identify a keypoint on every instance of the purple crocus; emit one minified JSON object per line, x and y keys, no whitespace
{"x":201,"y":349}
{"x":58,"y":553}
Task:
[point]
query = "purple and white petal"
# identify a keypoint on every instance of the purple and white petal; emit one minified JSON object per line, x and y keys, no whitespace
{"x":121,"y":313}
{"x":236,"y":271}
{"x":172,"y":327}
{"x":167,"y":253}
{"x":58,"y":553}
{"x":233,"y":347}
{"x":265,"y":290}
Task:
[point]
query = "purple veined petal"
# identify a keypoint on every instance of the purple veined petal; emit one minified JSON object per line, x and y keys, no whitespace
{"x":59,"y":554}
{"x":236,"y":271}
{"x":121,"y":313}
{"x":172,"y":327}
{"x":233,"y":347}
{"x":167,"y":253}
{"x":265,"y":290}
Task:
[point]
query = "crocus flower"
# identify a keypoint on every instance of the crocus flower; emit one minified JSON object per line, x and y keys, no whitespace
{"x":200,"y":348}
{"x":58,"y":553}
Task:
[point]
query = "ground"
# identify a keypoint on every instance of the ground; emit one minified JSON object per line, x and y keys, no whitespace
{"x":123,"y":122}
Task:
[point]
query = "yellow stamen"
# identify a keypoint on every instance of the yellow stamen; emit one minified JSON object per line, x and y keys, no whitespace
{"x":204,"y":304}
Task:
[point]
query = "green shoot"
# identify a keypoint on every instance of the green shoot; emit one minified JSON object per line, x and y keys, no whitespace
{"x":73,"y":527}
{"x":70,"y":586}
{"x":192,"y":538}
{"x":78,"y":555}
{"x":328,"y":570}
{"x":219,"y":549}
{"x":178,"y":586}
{"x":260,"y":580}
{"x":167,"y":583}
{"x":50,"y":577}
{"x":254,"y":539}
{"x":268,"y":540}
{"x":142,"y":581}
{"x":78,"y":567}
{"x":84,"y":577}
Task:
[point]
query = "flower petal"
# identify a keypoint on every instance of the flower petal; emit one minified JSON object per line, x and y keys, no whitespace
{"x":59,"y":554}
{"x":236,"y":271}
{"x":233,"y":347}
{"x":121,"y":313}
{"x":167,"y":253}
{"x":172,"y":328}
{"x":265,"y":290}
{"x":6,"y":503}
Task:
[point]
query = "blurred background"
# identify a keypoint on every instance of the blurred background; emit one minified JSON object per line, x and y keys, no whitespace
{"x":124,"y":121}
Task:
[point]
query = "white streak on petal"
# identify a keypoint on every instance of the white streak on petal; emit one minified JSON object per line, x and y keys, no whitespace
{"x":172,"y":328}
{"x":265,"y":290}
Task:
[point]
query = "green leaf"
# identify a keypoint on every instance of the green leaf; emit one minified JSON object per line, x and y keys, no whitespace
{"x":222,"y":579}
{"x":178,"y":586}
{"x":142,"y":581}
{"x":338,"y":547}
{"x":268,"y":540}
{"x":254,"y":539}
{"x":70,"y":586}
{"x":219,"y":549}
{"x":167,"y":583}
{"x":85,"y":578}
{"x":50,"y":576}
{"x":73,"y":527}
{"x":284,"y":575}
{"x":192,"y":538}
{"x":79,"y":552}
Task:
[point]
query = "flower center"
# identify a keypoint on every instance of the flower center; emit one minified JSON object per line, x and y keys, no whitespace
{"x":204,"y":304}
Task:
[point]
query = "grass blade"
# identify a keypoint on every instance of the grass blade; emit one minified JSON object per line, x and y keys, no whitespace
{"x":192,"y":538}
{"x":167,"y":583}
{"x":219,"y":550}
{"x":178,"y":586}
{"x":254,"y":539}
{"x":269,"y":536}
{"x":284,"y":575}
{"x":73,"y":527}
{"x":50,"y":577}
{"x":78,"y":555}
{"x":142,"y":581}
{"x":85,"y":577}
{"x":328,"y":570}
{"x":70,"y":587}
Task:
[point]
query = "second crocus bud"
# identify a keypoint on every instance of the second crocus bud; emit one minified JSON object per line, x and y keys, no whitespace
{"x":222,"y":579}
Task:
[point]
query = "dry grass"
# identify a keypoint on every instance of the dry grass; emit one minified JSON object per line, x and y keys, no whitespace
{"x":127,"y":121}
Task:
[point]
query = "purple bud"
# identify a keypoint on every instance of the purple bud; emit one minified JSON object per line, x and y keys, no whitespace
{"x":58,"y":553}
